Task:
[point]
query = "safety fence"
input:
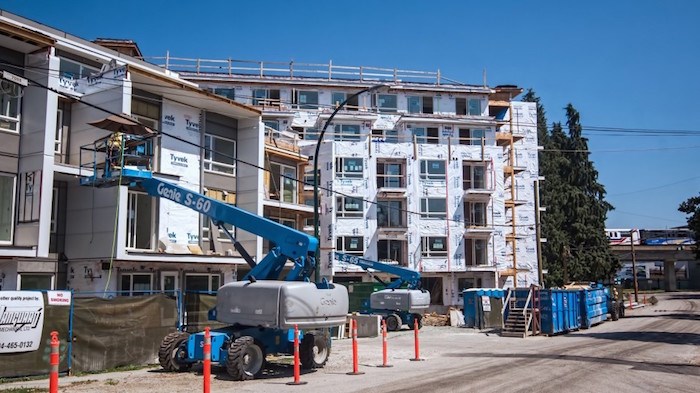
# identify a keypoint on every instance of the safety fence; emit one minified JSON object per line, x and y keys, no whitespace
{"x":104,"y":330}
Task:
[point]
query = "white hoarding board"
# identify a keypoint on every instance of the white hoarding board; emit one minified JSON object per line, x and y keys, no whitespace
{"x":59,"y":298}
{"x":180,"y":157}
{"x":21,"y":320}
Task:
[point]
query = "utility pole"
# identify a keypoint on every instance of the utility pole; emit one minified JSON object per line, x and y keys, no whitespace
{"x":634,"y":265}
{"x":538,"y":234}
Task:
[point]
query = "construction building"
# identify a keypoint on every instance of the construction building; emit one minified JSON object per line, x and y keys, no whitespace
{"x":417,"y":170}
{"x":56,"y":234}
{"x":421,"y":171}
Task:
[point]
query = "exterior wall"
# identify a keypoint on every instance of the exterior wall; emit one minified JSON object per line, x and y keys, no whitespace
{"x":250,"y":190}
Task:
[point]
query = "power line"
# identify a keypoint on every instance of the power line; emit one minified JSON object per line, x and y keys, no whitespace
{"x":614,"y":131}
{"x":266,"y":170}
{"x":656,"y":187}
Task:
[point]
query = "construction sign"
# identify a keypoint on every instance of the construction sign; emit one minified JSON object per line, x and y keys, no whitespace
{"x":21,"y":320}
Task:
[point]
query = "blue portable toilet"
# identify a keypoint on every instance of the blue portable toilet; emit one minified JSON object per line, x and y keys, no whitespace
{"x":474,"y":315}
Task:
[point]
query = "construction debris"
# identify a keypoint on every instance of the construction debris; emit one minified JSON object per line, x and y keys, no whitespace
{"x":435,"y":319}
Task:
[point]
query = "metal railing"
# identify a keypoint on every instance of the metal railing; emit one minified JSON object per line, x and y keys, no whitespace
{"x":292,"y":69}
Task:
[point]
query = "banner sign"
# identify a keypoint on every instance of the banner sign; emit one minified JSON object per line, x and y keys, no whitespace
{"x":21,"y":320}
{"x":180,"y":157}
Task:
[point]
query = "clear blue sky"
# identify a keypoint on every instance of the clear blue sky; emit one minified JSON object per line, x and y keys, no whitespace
{"x":628,"y":64}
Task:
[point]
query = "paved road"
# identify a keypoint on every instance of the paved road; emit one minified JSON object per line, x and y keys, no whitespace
{"x":653,"y":349}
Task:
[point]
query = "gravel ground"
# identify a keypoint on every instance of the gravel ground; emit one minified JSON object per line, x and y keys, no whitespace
{"x":655,"y":348}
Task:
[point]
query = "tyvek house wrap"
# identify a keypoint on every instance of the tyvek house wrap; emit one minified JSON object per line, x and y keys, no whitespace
{"x":178,"y":226}
{"x":355,"y":188}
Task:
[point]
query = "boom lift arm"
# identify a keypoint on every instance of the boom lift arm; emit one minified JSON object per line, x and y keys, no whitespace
{"x":405,"y":276}
{"x":291,"y":244}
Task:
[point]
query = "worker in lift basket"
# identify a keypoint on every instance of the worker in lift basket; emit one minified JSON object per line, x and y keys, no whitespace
{"x":114,"y":148}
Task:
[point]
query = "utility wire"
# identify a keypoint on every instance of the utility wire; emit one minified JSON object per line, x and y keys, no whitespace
{"x":615,"y":131}
{"x":266,"y":170}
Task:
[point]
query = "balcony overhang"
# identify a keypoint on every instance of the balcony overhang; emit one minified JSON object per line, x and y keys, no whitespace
{"x":478,"y":232}
{"x":391,"y":192}
{"x":477,"y":194}
{"x":511,"y":203}
{"x":288,"y":207}
{"x":512,"y":272}
{"x":481,"y":268}
{"x":392,"y":232}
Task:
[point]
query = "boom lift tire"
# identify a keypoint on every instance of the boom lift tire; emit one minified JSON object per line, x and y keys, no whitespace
{"x":314,"y":350}
{"x":615,"y":311}
{"x":172,"y":351}
{"x":245,"y":359}
{"x":393,"y":322}
{"x":420,"y":321}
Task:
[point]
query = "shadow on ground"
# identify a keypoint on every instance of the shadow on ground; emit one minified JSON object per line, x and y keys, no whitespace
{"x":647,"y":336}
{"x":672,"y":368}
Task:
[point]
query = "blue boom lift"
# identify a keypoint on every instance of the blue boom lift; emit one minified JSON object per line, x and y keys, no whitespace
{"x":396,"y":305}
{"x":261,"y":310}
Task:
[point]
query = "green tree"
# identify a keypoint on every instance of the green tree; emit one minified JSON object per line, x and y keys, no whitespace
{"x":692,"y":206}
{"x":574,"y":223}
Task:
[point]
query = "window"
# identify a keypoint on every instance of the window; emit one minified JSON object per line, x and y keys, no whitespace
{"x":219,"y":154}
{"x":420,"y":104}
{"x":71,"y":69}
{"x":390,"y":175}
{"x":274,"y":124}
{"x":471,"y":137}
{"x":433,"y":208}
{"x":337,"y":98}
{"x":283,"y":183}
{"x":349,"y":207}
{"x":433,"y":246}
{"x":266,"y":97}
{"x":386,"y":103}
{"x":54,"y":210}
{"x":204,"y":282}
{"x":475,"y":214}
{"x":391,"y":251}
{"x":475,"y":251}
{"x":136,"y":284}
{"x":225,"y":92}
{"x":432,"y":170}
{"x":390,"y":214}
{"x":140,"y":230}
{"x":471,"y":106}
{"x":461,"y":106}
{"x":10,"y":94}
{"x":33,"y":282}
{"x":348,"y":168}
{"x":306,"y":99}
{"x":388,"y":136}
{"x":474,"y":177}
{"x":224,"y":196}
{"x":346,"y":132}
{"x":474,"y":107}
{"x":7,"y":208}
{"x":58,"y":137}
{"x":426,"y":135}
{"x":353,"y":245}
{"x":310,"y":134}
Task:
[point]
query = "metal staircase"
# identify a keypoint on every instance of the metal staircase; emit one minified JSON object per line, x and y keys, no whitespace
{"x":521,"y":312}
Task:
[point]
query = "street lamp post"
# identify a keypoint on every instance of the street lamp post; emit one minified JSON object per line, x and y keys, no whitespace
{"x":317,"y":271}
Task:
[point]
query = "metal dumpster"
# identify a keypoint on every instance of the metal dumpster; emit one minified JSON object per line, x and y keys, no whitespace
{"x":475,"y":314}
{"x":594,"y":306}
{"x":560,"y":310}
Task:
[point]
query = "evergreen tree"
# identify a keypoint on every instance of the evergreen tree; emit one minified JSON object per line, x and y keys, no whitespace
{"x":574,"y":224}
{"x":692,"y":206}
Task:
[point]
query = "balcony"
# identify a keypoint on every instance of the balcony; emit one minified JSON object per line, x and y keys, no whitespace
{"x":478,"y":231}
{"x":506,"y":138}
{"x":283,"y":144}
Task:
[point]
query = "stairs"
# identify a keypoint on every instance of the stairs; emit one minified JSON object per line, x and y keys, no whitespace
{"x":516,"y":324}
